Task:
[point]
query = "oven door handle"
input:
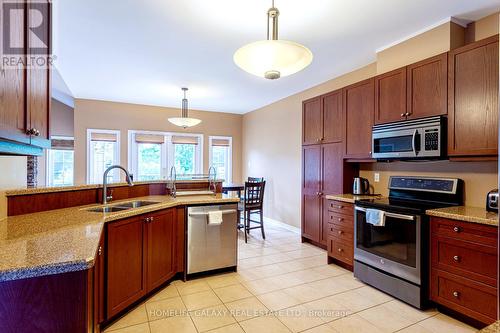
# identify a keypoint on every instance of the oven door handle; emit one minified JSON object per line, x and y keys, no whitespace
{"x":393,"y":215}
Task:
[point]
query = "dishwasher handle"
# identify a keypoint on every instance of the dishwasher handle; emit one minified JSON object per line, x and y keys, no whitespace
{"x":226,"y":211}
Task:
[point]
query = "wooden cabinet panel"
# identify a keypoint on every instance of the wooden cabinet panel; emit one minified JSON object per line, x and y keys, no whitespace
{"x":311,"y":187}
{"x":473,"y":99}
{"x":341,"y":232}
{"x":333,"y":129}
{"x":312,"y":122}
{"x":126,"y":251}
{"x":390,"y":96}
{"x":99,"y":285}
{"x":428,"y":87}
{"x":12,"y":88}
{"x":332,"y":179}
{"x":340,"y":250}
{"x":161,"y":248}
{"x":343,"y":208}
{"x":359,"y":104}
{"x":470,"y":232}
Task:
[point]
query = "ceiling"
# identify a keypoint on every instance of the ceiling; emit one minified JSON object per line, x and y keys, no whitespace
{"x":144,"y":51}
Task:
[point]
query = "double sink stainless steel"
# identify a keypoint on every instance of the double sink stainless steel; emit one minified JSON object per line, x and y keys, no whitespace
{"x":121,"y":206}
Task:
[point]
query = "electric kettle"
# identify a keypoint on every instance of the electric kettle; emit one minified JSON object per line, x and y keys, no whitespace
{"x":361,"y":186}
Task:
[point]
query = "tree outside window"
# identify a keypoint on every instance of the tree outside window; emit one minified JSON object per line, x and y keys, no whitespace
{"x":184,"y":158}
{"x":149,"y":161}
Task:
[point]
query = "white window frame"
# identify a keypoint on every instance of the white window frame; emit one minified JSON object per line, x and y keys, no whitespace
{"x":48,"y":177}
{"x":89,"y":155}
{"x":230,"y":155}
{"x":167,"y":151}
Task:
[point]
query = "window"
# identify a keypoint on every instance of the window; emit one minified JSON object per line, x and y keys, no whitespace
{"x":220,"y":156}
{"x":60,"y":162}
{"x":103,"y":151}
{"x":152,"y":154}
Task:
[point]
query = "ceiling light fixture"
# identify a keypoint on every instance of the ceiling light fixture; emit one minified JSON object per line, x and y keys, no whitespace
{"x":273,"y":58}
{"x":184,"y":121}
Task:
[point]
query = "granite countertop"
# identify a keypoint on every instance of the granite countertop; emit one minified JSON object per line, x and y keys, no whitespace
{"x":493,"y":328}
{"x":349,"y":198}
{"x":466,"y":214}
{"x":38,"y":190}
{"x":66,"y":240}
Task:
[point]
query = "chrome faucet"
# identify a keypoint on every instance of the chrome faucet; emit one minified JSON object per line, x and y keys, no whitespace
{"x":105,"y":197}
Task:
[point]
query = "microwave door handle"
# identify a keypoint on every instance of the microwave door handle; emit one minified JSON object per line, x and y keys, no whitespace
{"x":414,"y":142}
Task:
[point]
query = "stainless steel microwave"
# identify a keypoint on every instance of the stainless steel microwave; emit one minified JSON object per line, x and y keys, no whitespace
{"x":410,"y":139}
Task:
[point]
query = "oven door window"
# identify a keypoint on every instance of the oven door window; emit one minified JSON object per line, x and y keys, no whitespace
{"x":395,"y":144}
{"x":396,"y":241}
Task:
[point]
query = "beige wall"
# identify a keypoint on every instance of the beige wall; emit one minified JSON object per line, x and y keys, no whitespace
{"x":13,"y":175}
{"x":124,"y":117}
{"x":272,"y":147}
{"x":272,"y":134}
{"x":61,"y":119}
{"x":479,"y":177}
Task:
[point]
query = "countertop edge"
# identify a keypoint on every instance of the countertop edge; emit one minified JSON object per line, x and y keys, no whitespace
{"x":463,"y":218}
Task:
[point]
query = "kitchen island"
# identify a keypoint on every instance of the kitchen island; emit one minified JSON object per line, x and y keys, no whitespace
{"x":76,"y":270}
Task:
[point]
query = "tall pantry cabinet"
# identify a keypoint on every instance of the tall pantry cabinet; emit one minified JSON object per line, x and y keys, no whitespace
{"x":323,"y":168}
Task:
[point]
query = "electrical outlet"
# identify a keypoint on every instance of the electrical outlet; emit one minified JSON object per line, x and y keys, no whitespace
{"x":377,"y":177}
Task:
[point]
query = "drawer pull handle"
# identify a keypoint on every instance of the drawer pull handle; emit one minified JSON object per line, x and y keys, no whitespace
{"x":340,"y":250}
{"x":341,"y":219}
{"x":341,"y":207}
{"x":456,"y":229}
{"x":456,"y":294}
{"x":340,"y":232}
{"x":456,"y":258}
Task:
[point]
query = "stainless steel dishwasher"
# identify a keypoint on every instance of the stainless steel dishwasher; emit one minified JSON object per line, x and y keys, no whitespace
{"x":211,"y":246}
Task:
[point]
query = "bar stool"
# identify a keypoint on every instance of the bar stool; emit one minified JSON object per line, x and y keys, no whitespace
{"x":252,"y":203}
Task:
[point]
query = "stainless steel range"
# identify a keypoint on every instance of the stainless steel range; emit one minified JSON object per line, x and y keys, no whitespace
{"x":391,"y":235}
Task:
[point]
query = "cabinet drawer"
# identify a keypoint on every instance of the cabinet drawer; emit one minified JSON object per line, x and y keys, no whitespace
{"x":340,"y":219}
{"x":342,"y":233}
{"x":340,"y":250}
{"x":472,"y":232}
{"x":466,"y":259}
{"x":341,"y":207}
{"x":471,"y":298}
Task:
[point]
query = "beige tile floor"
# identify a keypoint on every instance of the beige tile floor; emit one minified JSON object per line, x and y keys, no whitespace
{"x":281,"y":286}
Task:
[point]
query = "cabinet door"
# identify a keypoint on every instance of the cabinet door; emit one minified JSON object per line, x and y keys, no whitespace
{"x":161,"y":239}
{"x":473,"y":99}
{"x":332,"y":180}
{"x":99,"y":310}
{"x":428,"y":87}
{"x":12,"y":89}
{"x":312,"y":122}
{"x":390,"y":96}
{"x":333,"y":129}
{"x":38,"y":87}
{"x":126,"y":247}
{"x":359,"y":101}
{"x":311,"y":199}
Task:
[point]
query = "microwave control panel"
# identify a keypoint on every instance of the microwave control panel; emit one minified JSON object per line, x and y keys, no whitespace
{"x":431,"y":139}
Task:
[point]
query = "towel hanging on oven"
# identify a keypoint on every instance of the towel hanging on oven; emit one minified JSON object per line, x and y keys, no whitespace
{"x":375,"y":217}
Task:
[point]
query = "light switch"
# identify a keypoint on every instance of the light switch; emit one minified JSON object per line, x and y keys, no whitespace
{"x":377,"y":177}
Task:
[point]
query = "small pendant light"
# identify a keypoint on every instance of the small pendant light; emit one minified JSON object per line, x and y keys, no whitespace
{"x":184,"y":121}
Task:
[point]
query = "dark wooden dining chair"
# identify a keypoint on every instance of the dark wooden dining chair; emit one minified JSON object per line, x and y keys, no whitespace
{"x":251,"y":203}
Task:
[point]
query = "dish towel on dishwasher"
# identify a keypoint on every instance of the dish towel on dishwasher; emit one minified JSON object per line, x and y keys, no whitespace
{"x":215,"y":217}
{"x":375,"y":217}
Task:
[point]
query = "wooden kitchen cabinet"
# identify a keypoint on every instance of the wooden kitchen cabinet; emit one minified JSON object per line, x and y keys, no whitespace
{"x":25,"y":91}
{"x":99,"y":285}
{"x":390,"y":96}
{"x":312,"y":122}
{"x":126,"y":263}
{"x":464,"y":264}
{"x":473,"y":99}
{"x":161,"y":248}
{"x":142,"y":255}
{"x":427,"y":87}
{"x":311,"y":193}
{"x":333,"y":129}
{"x":359,"y":101}
{"x":340,"y":237}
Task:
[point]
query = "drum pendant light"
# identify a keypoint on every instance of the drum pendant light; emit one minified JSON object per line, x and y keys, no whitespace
{"x":184,"y":121}
{"x":273,"y":58}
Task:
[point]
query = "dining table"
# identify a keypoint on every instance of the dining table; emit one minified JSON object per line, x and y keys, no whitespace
{"x":233,"y":187}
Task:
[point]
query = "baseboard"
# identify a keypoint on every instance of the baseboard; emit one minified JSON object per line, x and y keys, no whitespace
{"x":282,"y":225}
